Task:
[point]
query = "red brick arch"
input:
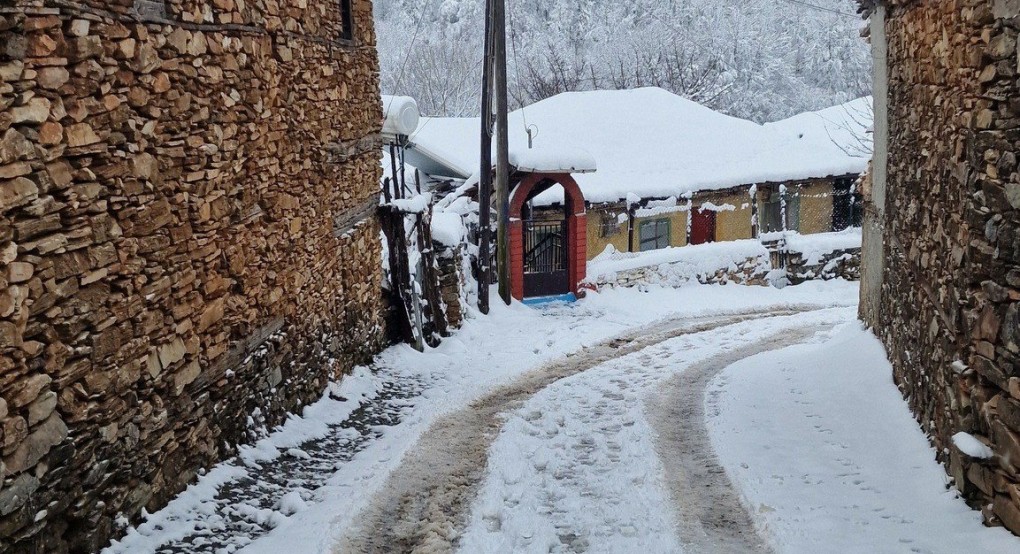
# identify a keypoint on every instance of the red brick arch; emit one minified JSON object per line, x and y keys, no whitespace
{"x":577,"y":230}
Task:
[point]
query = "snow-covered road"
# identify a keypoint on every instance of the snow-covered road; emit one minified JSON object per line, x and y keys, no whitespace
{"x":571,"y":407}
{"x":587,"y":428}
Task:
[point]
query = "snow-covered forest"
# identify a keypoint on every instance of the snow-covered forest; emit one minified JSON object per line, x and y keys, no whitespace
{"x":757,"y":59}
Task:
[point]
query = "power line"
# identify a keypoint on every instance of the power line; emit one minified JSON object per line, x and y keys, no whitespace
{"x":822,"y":8}
{"x":407,"y":55}
{"x":517,"y":72}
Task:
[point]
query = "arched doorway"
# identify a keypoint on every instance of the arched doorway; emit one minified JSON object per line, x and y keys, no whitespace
{"x":548,"y":257}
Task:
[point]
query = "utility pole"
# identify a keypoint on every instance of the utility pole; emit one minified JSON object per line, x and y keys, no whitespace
{"x":485,"y":168}
{"x":502,"y":152}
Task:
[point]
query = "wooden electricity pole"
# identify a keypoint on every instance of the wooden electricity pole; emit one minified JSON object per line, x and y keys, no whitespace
{"x":502,"y":180}
{"x":485,"y":168}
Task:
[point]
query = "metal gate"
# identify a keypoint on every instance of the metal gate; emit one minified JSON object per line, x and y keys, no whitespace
{"x":545,"y":259}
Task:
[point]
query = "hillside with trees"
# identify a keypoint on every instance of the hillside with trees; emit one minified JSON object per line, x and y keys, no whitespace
{"x":756,"y":59}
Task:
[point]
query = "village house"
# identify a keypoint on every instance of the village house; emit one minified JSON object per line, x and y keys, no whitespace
{"x":664,"y":171}
{"x":189,"y":242}
{"x":941,"y":267}
{"x":660,"y":158}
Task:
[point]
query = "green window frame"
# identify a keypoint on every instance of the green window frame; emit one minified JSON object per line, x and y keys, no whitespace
{"x":654,"y":234}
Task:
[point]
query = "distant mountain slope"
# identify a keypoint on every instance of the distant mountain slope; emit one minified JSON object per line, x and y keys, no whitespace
{"x":756,"y":59}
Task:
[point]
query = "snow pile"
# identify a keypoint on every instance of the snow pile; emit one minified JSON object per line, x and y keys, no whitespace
{"x":448,"y":228}
{"x":655,"y":208}
{"x":656,"y":144}
{"x":829,"y":458}
{"x":814,"y":248}
{"x":677,"y":266}
{"x":552,"y":159}
{"x":971,"y":446}
{"x":414,"y":205}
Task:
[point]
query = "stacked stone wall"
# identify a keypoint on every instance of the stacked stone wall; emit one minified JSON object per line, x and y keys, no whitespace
{"x":451,"y":282}
{"x":838,"y":264}
{"x":753,"y":271}
{"x":187,"y":240}
{"x":950,"y":302}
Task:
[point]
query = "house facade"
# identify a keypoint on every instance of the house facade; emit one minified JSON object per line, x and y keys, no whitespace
{"x":672,"y":172}
{"x":188,"y":242}
{"x":941,"y":262}
{"x":812,"y":206}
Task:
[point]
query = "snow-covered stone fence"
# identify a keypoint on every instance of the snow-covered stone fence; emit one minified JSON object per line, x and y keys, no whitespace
{"x":781,"y":259}
{"x":744,"y":262}
{"x":822,"y":256}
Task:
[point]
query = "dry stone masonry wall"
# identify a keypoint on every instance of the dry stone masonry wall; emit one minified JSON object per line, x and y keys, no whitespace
{"x":838,"y":264}
{"x":187,"y":239}
{"x":950,"y":314}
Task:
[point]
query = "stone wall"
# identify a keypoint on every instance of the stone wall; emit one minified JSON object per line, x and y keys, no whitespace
{"x":451,"y":282}
{"x":950,"y":293}
{"x":776,"y":265}
{"x":838,"y":264}
{"x":187,"y":239}
{"x":752,"y":271}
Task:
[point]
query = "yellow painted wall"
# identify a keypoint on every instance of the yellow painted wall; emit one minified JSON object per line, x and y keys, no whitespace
{"x":816,"y":207}
{"x":677,"y":228}
{"x":815,"y":217}
{"x":729,"y":225}
{"x":596,"y":242}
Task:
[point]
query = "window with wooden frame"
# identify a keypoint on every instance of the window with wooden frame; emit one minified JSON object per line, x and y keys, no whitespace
{"x":770,"y":214}
{"x":654,"y":234}
{"x":347,"y":20}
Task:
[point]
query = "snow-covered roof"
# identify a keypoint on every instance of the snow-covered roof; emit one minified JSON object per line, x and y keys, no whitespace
{"x":552,"y":160}
{"x":653,"y":143}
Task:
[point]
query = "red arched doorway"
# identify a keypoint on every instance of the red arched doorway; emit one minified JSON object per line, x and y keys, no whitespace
{"x":547,"y":260}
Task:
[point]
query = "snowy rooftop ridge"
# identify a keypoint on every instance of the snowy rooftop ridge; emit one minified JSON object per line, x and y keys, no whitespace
{"x":653,"y":143}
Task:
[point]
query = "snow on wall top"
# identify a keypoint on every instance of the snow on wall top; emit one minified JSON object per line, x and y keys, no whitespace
{"x":652,"y":143}
{"x":691,"y":261}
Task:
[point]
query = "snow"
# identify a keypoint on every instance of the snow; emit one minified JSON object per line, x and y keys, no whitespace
{"x":551,"y":159}
{"x":575,"y":469}
{"x":816,"y":246}
{"x":447,"y":228}
{"x":829,"y":459}
{"x":971,"y":446}
{"x":577,"y":465}
{"x":452,"y":375}
{"x":458,"y":371}
{"x":654,"y":144}
{"x":685,"y":262}
{"x":415,"y":205}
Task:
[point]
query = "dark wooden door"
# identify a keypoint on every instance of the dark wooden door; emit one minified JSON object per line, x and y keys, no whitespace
{"x":545,"y":259}
{"x":702,"y":227}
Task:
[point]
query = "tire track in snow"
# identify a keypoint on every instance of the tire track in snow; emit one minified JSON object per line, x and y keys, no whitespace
{"x":710,"y":516}
{"x":426,"y":501}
